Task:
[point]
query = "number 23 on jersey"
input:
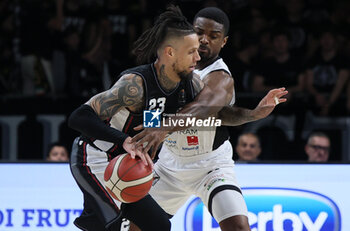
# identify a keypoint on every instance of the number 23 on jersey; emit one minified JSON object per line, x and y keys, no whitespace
{"x":155,"y":104}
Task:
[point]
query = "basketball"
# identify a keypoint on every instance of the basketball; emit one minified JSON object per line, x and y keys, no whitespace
{"x":126,"y":179}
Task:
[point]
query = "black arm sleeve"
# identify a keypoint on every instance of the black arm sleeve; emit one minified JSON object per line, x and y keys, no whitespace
{"x":85,"y":120}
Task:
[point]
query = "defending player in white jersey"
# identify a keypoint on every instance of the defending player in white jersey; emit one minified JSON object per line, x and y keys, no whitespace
{"x":198,"y":161}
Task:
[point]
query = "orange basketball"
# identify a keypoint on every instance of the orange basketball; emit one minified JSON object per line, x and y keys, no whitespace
{"x":126,"y":179}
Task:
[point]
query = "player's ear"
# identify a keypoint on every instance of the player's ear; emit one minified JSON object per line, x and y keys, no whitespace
{"x":169,"y":51}
{"x":224,"y":42}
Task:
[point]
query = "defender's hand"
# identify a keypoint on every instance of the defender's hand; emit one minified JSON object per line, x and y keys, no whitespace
{"x":129,"y":147}
{"x":149,"y":138}
{"x":269,"y":102}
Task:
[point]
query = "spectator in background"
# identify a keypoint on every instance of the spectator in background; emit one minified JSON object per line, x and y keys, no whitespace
{"x":248,"y":147}
{"x":96,"y":52}
{"x":36,"y":46}
{"x":9,"y":74}
{"x":75,"y":14}
{"x":250,"y":21}
{"x":57,"y":153}
{"x":260,"y":27}
{"x":326,"y":75}
{"x":316,"y":12}
{"x":282,"y":69}
{"x":293,"y":20}
{"x":338,"y":19}
{"x":123,"y":31}
{"x":317,"y":147}
{"x":242,"y":64}
{"x":73,"y":60}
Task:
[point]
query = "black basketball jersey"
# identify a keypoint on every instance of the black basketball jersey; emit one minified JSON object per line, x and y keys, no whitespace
{"x":155,"y":98}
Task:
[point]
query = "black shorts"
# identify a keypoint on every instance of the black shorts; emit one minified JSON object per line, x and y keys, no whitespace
{"x":101,"y":212}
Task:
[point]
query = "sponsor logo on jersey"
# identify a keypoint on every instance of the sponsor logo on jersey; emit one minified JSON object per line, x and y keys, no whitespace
{"x":151,"y":118}
{"x":190,"y":149}
{"x":189,"y":131}
{"x":213,"y":182}
{"x":213,"y":179}
{"x":170,"y":142}
{"x":192,"y":140}
{"x":272,"y":209}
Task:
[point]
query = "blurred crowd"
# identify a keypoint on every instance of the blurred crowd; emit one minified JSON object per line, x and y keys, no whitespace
{"x":76,"y":48}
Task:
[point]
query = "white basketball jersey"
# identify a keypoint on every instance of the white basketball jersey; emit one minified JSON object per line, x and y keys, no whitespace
{"x":196,"y":141}
{"x":218,"y":65}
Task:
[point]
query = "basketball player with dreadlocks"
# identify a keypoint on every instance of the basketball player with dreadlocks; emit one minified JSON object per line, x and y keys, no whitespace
{"x":198,"y":161}
{"x":106,"y":120}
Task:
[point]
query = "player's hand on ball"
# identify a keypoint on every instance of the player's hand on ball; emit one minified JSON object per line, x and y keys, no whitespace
{"x":130,"y":147}
{"x":149,"y":139}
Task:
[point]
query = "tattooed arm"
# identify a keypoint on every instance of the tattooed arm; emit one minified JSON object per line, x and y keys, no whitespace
{"x":128,"y":93}
{"x":234,"y":116}
{"x":197,"y":83}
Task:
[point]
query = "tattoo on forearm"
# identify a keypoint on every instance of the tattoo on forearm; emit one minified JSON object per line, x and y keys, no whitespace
{"x":233,"y":116}
{"x":126,"y":92}
{"x":196,"y":85}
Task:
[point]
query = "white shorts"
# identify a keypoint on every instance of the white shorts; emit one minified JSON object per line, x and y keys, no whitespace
{"x":210,"y":176}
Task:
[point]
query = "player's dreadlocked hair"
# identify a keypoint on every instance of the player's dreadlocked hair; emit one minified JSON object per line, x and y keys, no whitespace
{"x":171,"y":23}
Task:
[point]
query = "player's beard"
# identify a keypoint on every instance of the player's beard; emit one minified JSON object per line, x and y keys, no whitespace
{"x":183,"y":74}
{"x":204,"y":57}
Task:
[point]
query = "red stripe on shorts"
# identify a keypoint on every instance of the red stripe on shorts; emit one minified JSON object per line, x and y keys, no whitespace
{"x":94,"y":178}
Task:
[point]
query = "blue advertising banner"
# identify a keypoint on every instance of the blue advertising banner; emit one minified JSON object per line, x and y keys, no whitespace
{"x":289,"y":197}
{"x":283,"y":197}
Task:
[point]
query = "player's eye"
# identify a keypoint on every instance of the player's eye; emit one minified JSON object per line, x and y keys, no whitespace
{"x":199,"y":32}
